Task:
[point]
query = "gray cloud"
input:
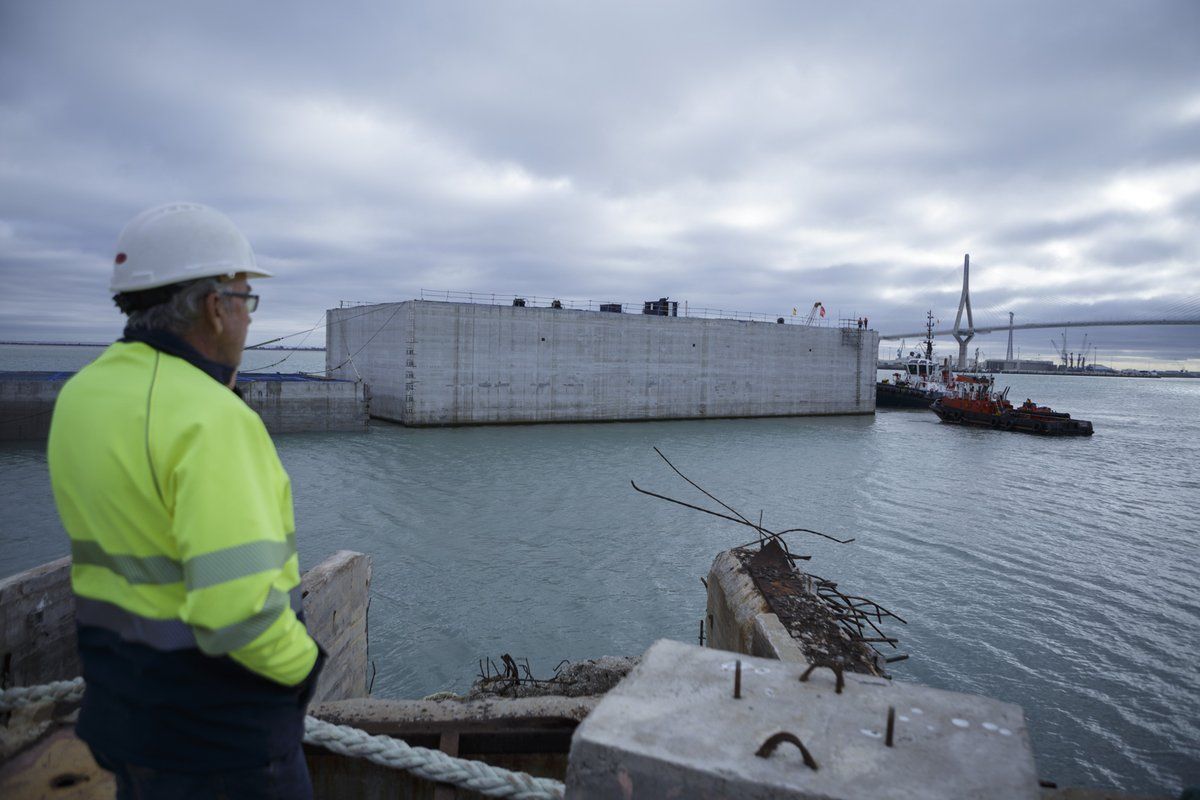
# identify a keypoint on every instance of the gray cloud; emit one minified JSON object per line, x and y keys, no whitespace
{"x":1139,"y":251}
{"x":758,"y":158}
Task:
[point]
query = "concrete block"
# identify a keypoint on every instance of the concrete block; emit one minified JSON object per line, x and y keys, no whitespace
{"x":739,"y":618}
{"x":772,"y":640}
{"x":734,"y":603}
{"x":672,"y":728}
{"x":37,"y":624}
{"x":794,"y":624}
{"x":336,"y":595}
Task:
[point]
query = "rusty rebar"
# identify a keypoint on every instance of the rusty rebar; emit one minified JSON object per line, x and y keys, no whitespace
{"x":816,"y":533}
{"x":768,"y":747}
{"x":771,"y":534}
{"x":738,"y":518}
{"x":855,"y":616}
{"x":836,"y":669}
{"x":703,"y":491}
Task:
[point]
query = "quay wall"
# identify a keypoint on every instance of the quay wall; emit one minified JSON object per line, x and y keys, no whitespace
{"x":26,"y":403}
{"x":286,"y":403}
{"x":444,"y":363}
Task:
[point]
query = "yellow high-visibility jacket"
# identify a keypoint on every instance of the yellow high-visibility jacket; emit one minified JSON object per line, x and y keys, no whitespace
{"x":179,"y":514}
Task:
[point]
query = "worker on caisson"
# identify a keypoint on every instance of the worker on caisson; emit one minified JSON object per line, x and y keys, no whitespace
{"x":191,"y":635}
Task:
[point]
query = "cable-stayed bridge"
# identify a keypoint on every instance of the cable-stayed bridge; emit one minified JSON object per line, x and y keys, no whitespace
{"x":1025,"y":326}
{"x":1184,"y":312}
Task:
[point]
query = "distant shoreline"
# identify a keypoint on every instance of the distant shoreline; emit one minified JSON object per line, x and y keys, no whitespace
{"x":106,"y":344}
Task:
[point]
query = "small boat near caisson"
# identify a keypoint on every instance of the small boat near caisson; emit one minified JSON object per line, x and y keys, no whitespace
{"x":917,"y":387}
{"x":922,"y":381}
{"x":973,"y":401}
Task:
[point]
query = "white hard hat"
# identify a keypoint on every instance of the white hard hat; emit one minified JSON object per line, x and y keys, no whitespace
{"x":180,"y":242}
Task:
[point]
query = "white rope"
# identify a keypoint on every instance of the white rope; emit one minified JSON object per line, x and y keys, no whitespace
{"x":432,"y":765}
{"x":31,"y":695}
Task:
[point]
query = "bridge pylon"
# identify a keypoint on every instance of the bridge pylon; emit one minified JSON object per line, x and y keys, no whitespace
{"x":964,"y":301}
{"x":1008,"y":356}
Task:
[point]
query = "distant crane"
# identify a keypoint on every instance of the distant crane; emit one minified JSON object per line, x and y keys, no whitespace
{"x":1072,"y":359}
{"x":812,"y":315}
{"x":1062,"y":349}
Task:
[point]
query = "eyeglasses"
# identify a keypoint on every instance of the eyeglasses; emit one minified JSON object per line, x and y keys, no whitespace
{"x":251,"y":299}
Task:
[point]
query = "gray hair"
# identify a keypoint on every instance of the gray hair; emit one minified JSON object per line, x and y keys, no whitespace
{"x":178,"y":314}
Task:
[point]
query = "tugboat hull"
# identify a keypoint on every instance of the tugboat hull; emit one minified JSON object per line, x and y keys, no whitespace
{"x":1043,"y":424}
{"x":891,"y":395}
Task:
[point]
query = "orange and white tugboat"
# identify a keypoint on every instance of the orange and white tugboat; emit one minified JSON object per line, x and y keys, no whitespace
{"x":972,"y":400}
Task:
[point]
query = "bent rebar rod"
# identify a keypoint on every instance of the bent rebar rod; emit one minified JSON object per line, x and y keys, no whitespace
{"x":771,"y":534}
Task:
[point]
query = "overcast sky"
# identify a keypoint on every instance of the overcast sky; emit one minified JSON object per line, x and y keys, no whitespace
{"x":747,"y":156}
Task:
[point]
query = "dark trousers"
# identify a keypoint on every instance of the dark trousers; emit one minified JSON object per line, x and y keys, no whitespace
{"x":283,"y":779}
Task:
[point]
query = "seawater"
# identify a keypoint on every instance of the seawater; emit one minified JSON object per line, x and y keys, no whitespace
{"x":1058,"y":574}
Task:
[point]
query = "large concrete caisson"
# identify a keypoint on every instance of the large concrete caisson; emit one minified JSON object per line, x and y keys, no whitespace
{"x":437,"y":363}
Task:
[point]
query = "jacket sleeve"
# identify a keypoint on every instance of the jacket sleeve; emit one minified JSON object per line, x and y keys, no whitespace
{"x":231,"y":509}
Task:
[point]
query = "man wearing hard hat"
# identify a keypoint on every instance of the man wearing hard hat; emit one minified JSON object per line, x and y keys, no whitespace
{"x":187,"y":600}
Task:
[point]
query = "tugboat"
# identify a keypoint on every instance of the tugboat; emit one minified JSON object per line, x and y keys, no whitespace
{"x":973,"y":401}
{"x":922,"y":382}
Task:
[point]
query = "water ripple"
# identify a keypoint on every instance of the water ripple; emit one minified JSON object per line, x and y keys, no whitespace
{"x":1056,"y":574}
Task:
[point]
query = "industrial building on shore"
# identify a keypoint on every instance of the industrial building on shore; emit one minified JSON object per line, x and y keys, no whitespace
{"x":430,"y":362}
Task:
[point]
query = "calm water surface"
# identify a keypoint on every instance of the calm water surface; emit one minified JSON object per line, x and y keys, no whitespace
{"x":1059,"y":574}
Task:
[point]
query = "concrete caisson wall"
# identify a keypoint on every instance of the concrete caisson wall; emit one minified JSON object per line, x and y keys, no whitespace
{"x":286,"y":403}
{"x":437,"y":363}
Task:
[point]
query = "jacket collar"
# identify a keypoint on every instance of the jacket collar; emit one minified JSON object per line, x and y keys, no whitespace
{"x":173,"y":345}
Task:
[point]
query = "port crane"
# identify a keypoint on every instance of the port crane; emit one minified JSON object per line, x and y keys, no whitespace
{"x":1071,"y":360}
{"x":1061,"y":350}
{"x":812,"y":314}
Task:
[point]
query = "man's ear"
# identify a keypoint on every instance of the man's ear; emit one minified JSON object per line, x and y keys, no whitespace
{"x":212,"y":310}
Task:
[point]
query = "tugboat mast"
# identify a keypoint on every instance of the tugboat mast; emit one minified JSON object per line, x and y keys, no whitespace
{"x":929,"y":335}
